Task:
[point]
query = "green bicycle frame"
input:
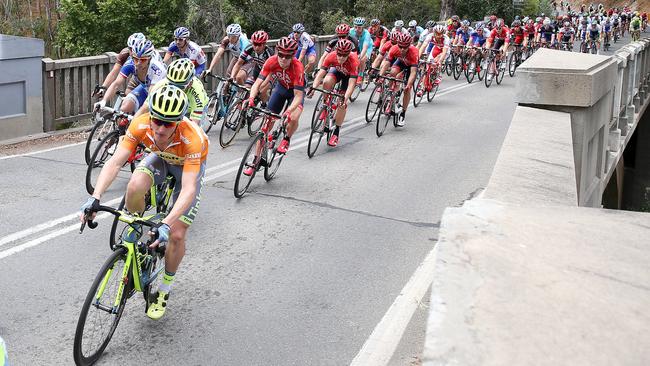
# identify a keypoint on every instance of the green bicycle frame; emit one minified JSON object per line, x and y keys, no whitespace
{"x":133,"y":262}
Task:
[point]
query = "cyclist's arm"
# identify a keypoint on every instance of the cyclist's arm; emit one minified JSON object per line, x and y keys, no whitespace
{"x":118,"y":83}
{"x":411,"y":80}
{"x":168,"y":57}
{"x":319,"y":77}
{"x":385,"y":64}
{"x":298,"y":97}
{"x":348,"y":92}
{"x":303,"y":51}
{"x":236,"y":68}
{"x":216,"y":58}
{"x":110,"y":78}
{"x":185,"y":197}
{"x":322,"y":58}
{"x":259,"y":84}
{"x":143,"y":109}
{"x":110,"y":170}
{"x":199,"y":68}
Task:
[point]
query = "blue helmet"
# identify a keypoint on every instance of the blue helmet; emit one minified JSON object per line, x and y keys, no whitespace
{"x":144,"y":48}
{"x":133,"y":39}
{"x":298,"y":28}
{"x":182,"y":32}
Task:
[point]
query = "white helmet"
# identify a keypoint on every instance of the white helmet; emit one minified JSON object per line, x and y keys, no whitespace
{"x":547,"y":21}
{"x":233,"y":30}
{"x":439,"y":28}
{"x":133,"y":39}
{"x":413,"y":23}
{"x":399,"y":23}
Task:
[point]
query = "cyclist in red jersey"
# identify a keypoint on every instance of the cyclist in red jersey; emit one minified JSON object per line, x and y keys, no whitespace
{"x":392,"y":40}
{"x":518,"y":33}
{"x":530,"y":32}
{"x":340,"y":66}
{"x":499,"y":38}
{"x":289,"y":76}
{"x":378,"y":32}
{"x":402,"y":60}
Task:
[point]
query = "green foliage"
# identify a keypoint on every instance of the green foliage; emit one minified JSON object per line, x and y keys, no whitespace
{"x":476,"y":10}
{"x":90,"y":27}
{"x":333,"y":18}
{"x":531,"y":8}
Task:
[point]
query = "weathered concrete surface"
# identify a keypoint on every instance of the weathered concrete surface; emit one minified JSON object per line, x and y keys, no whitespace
{"x":560,"y":78}
{"x":540,"y":286}
{"x":536,"y":164}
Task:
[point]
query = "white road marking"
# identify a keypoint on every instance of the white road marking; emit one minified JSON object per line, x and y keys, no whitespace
{"x":380,"y":346}
{"x":354,"y":122}
{"x":41,"y":151}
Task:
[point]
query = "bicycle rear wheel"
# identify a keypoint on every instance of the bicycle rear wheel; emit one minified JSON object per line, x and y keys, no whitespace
{"x":231,"y":124}
{"x":481,"y":68}
{"x":373,"y":103}
{"x":434,"y":87}
{"x":458,"y":68}
{"x":471,"y":70}
{"x":356,"y":92}
{"x":99,"y":316}
{"x":512,"y":64}
{"x":273,"y":159}
{"x":254,"y":123}
{"x":106,"y":148}
{"x":501,"y":71}
{"x":243,"y":181}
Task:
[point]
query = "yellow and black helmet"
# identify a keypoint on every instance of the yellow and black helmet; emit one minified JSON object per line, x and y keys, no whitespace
{"x":168,"y":103}
{"x":180,"y":72}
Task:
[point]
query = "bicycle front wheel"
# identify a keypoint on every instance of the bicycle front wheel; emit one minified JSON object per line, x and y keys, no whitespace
{"x":318,"y":121}
{"x":106,"y":148}
{"x":512,"y":64}
{"x":384,"y":116}
{"x":418,"y":88}
{"x":373,"y":103}
{"x":243,"y":181}
{"x":100,"y":314}
{"x":96,"y":134}
{"x":356,"y":92}
{"x":214,"y":106}
{"x":501,"y":71}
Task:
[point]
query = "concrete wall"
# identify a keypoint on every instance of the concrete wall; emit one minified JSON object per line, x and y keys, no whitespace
{"x":21,"y":96}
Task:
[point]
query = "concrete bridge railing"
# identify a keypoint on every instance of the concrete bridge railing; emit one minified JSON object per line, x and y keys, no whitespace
{"x":68,"y":83}
{"x":534,"y":271}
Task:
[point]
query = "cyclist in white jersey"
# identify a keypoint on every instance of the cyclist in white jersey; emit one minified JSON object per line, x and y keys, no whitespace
{"x":399,"y":27}
{"x":183,"y":47}
{"x":306,"y":47}
{"x":235,"y":42}
{"x":146,"y":69}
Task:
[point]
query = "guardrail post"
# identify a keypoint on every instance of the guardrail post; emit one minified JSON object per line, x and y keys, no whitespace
{"x":49,"y":95}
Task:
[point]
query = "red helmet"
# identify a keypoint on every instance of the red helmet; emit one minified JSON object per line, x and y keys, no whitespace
{"x":287,"y":45}
{"x":394,"y":35}
{"x":404,"y":40}
{"x":260,"y":37}
{"x":344,"y":46}
{"x":342,"y":29}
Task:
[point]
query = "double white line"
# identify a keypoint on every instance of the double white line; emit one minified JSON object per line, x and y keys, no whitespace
{"x":211,"y":174}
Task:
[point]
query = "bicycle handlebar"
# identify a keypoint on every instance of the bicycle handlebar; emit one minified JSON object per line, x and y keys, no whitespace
{"x":92,"y":224}
{"x":329,"y":92}
{"x":266,"y":111}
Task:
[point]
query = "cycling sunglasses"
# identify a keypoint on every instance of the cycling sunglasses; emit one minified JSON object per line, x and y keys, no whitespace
{"x":286,"y":56}
{"x":161,"y":123}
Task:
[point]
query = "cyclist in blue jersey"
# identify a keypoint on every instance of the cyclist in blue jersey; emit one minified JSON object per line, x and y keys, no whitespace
{"x":235,"y":42}
{"x":462,"y":34}
{"x":365,"y":46}
{"x":145,"y":68}
{"x":306,"y":47}
{"x":184,"y":48}
{"x":415,"y":31}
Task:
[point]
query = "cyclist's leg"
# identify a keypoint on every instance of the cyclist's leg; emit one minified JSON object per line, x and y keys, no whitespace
{"x":175,"y":250}
{"x":134,"y":100}
{"x":311,"y":59}
{"x":151,"y":170}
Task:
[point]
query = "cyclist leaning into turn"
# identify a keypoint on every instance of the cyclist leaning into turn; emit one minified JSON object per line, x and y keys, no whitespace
{"x":178,"y":147}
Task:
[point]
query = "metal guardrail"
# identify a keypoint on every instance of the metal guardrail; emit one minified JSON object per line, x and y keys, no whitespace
{"x":68,"y":83}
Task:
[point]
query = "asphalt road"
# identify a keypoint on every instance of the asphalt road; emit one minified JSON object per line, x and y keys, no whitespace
{"x":298,"y":272}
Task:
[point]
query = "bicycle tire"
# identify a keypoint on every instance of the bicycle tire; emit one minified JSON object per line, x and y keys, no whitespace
{"x":273,"y":162}
{"x":240,"y":188}
{"x":482,"y":70}
{"x":376,"y":92}
{"x":89,"y":148}
{"x":457,"y":67}
{"x":214,"y":106}
{"x":231,"y":124}
{"x":78,"y":351}
{"x":112,"y":139}
{"x":355,"y":92}
{"x":381,"y":125}
{"x":488,"y":73}
{"x":317,"y":122}
{"x":365,"y":80}
{"x":254,"y":123}
{"x":418,"y":85}
{"x":449,"y":65}
{"x":471,"y":70}
{"x":512,"y":64}
{"x":501,"y":71}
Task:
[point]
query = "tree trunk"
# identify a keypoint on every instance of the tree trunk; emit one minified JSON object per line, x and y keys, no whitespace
{"x":447,"y":9}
